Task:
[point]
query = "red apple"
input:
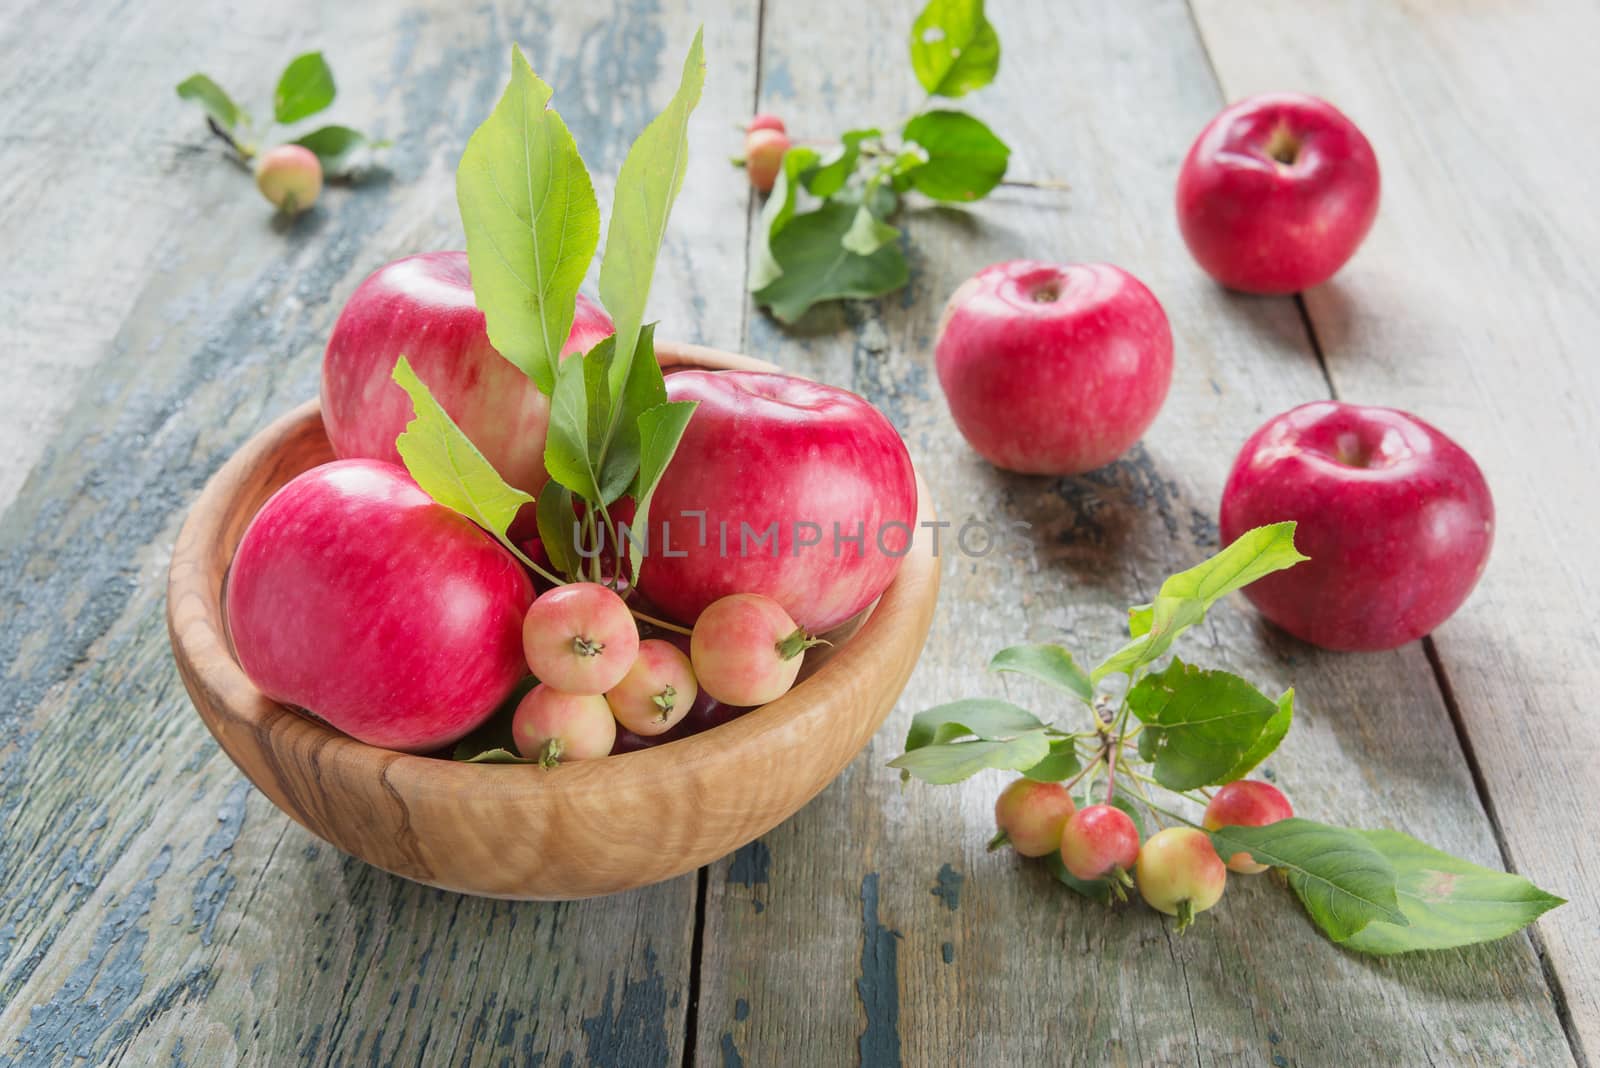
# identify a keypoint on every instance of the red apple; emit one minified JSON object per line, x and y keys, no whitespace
{"x":354,"y":596}
{"x":1053,"y":369}
{"x":1396,"y":518}
{"x":421,"y":307}
{"x":783,"y":487}
{"x":1277,"y":193}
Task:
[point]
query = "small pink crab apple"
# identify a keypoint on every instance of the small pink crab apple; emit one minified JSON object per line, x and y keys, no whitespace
{"x":1246,"y":803}
{"x":1098,"y":842}
{"x":763,"y":155}
{"x":290,"y":176}
{"x":580,"y":638}
{"x":554,"y":727}
{"x":746,"y":650}
{"x":657,"y":692}
{"x":1180,"y":873}
{"x":765,"y":120}
{"x":1031,"y":816}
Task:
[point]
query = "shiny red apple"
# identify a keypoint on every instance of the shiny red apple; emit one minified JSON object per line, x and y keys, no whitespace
{"x":1396,"y":518}
{"x":421,"y":307}
{"x":784,"y":487}
{"x":1053,"y":369}
{"x":1277,"y":193}
{"x":355,"y":596}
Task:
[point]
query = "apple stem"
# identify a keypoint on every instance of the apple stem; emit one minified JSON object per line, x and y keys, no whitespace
{"x":794,"y":644}
{"x":662,"y":623}
{"x":997,"y":841}
{"x":550,"y":755}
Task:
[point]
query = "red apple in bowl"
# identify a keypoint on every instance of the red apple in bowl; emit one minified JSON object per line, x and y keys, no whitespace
{"x":354,"y":596}
{"x":421,"y":307}
{"x":784,"y":487}
{"x":1396,"y":518}
{"x":1277,"y":193}
{"x":1053,"y":369}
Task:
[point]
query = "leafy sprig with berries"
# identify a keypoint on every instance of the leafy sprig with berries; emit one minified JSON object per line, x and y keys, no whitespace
{"x":1160,"y":740}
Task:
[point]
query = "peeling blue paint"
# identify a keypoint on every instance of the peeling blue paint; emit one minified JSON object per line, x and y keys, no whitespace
{"x":730,"y":1052}
{"x":631,"y":1031}
{"x":751,"y":865}
{"x":879,"y":983}
{"x":948,"y":888}
{"x":741,"y":1010}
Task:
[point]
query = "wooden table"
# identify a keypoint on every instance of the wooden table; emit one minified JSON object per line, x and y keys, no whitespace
{"x":154,"y":908}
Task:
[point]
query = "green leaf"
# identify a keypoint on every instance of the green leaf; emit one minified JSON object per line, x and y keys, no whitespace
{"x":829,"y":177}
{"x":948,"y":762}
{"x":1093,"y":889}
{"x":648,"y":183}
{"x":556,"y":517}
{"x":199,"y":89}
{"x":867,"y":234}
{"x":644,"y":389}
{"x":1447,"y":901}
{"x":1062,"y":763}
{"x":497,"y":756}
{"x":984,"y":717}
{"x":817,"y":267}
{"x":569,"y":447}
{"x":965,"y":159}
{"x":304,"y":88}
{"x":1198,"y":725}
{"x":1050,"y":664}
{"x":448,"y":466}
{"x":1344,"y":882}
{"x":531,"y":221}
{"x":954,"y":49}
{"x":1268,"y":740}
{"x":1185,"y":598}
{"x":776,"y":213}
{"x":660,"y":430}
{"x":337,"y":146}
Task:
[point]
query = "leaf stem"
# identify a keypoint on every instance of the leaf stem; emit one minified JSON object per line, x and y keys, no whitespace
{"x":663,"y":624}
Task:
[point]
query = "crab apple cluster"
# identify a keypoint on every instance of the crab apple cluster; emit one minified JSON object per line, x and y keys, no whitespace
{"x":1177,"y":870}
{"x":765,"y":142}
{"x":604,"y":689}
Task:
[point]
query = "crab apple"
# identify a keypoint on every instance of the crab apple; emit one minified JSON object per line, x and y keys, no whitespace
{"x":1180,"y":873}
{"x":290,"y":176}
{"x":1246,"y":803}
{"x":780,"y":486}
{"x":1053,"y":369}
{"x":746,"y":650}
{"x":1098,"y":841}
{"x":397,"y":621}
{"x":763,"y":156}
{"x":1031,"y":816}
{"x":1396,"y":518}
{"x":580,"y":638}
{"x":1277,"y":193}
{"x":657,"y":692}
{"x":422,"y":307}
{"x":554,"y":727}
{"x":764,"y":120}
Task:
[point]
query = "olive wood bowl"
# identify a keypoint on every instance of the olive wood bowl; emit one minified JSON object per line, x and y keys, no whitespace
{"x":520,"y":831}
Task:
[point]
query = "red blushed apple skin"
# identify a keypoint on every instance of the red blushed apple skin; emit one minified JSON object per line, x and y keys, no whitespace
{"x":764,"y":448}
{"x":1396,"y":518}
{"x":1260,"y":225}
{"x":421,"y":308}
{"x":356,"y":597}
{"x":1053,"y":369}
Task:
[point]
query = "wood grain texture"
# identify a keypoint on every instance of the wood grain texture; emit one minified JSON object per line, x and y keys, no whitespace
{"x":873,"y":927}
{"x":1475,"y":304}
{"x":578,"y":830}
{"x":153,"y":907}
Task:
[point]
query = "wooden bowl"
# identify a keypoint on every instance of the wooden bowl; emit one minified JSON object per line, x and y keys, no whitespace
{"x":520,"y":831}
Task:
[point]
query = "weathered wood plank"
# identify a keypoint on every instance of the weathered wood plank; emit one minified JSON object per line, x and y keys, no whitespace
{"x":843,"y":934}
{"x":151,"y":905}
{"x":1475,"y":304}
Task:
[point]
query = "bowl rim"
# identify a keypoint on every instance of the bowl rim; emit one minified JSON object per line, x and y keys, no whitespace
{"x":897,"y":624}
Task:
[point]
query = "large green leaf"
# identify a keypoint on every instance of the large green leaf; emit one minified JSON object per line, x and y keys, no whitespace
{"x":1050,"y":664}
{"x":1268,"y":740}
{"x":647,"y":185}
{"x":531,"y":221}
{"x":1447,"y":901}
{"x":816,"y":266}
{"x":1185,"y":597}
{"x":984,"y":717}
{"x":199,"y":89}
{"x":830,"y":174}
{"x":304,"y":88}
{"x":776,"y":213}
{"x":1343,"y":881}
{"x":965,"y":159}
{"x":448,"y":466}
{"x":1062,"y":763}
{"x":336,"y":147}
{"x":1199,"y":725}
{"x":954,"y":49}
{"x":954,"y":761}
{"x":568,"y":455}
{"x":660,"y":430}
